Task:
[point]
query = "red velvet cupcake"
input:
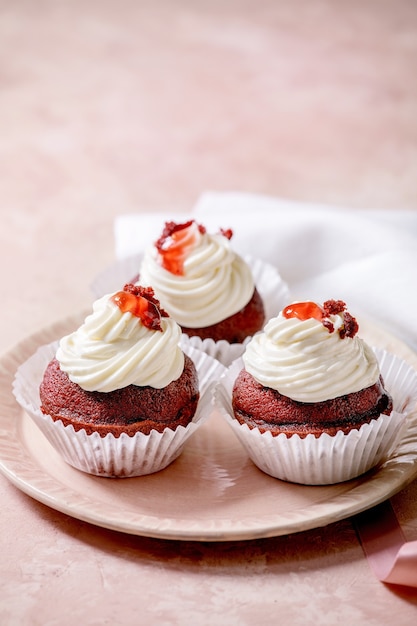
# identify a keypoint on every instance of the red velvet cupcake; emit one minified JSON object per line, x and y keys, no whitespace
{"x":213,"y":293}
{"x":119,"y":396}
{"x":308,"y":399}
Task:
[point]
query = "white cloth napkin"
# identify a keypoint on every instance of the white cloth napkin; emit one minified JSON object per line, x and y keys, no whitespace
{"x":366,"y":258}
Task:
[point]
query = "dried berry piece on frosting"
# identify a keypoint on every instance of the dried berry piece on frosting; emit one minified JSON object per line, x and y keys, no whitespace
{"x":308,"y":310}
{"x":140,"y":301}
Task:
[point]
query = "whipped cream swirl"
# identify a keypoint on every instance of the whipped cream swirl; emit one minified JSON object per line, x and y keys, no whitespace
{"x":305,"y":362}
{"x":113,"y":349}
{"x":216,"y":282}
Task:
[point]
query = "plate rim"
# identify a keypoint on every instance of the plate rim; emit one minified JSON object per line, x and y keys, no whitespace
{"x":389,"y":479}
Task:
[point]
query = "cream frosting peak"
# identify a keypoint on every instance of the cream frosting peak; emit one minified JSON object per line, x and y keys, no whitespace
{"x":113,"y":349}
{"x":215,"y":282}
{"x":306,"y":362}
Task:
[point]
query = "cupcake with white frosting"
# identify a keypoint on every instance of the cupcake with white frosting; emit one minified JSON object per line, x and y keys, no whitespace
{"x":119,"y":396}
{"x":310,"y":399}
{"x":212,"y":292}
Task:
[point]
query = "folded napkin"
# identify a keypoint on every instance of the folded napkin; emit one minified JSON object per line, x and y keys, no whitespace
{"x":366,"y":258}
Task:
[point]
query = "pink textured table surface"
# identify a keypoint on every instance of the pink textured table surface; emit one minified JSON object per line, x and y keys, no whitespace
{"x":117,"y":107}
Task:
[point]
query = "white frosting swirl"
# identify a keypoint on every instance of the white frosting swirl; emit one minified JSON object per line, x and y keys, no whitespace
{"x":112,"y":350}
{"x":305,"y":362}
{"x":216,"y":282}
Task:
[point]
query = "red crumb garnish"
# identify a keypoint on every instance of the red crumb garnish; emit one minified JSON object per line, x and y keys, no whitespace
{"x":226,"y":232}
{"x":307,"y":310}
{"x":350,"y":326}
{"x":141,"y":302}
{"x":333,"y":307}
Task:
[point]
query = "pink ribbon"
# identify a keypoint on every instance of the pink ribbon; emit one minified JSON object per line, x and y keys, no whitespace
{"x":392,"y":559}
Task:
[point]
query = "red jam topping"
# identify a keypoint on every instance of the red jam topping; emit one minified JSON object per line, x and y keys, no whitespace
{"x":307,"y":310}
{"x":304,"y":311}
{"x":140,"y":301}
{"x":177,"y":241}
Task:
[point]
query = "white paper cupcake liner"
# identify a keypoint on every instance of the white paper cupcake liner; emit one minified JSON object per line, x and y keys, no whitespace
{"x":327,"y":459}
{"x":124,"y":456}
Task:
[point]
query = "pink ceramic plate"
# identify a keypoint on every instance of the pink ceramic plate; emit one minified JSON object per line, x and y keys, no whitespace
{"x":212,"y":492}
